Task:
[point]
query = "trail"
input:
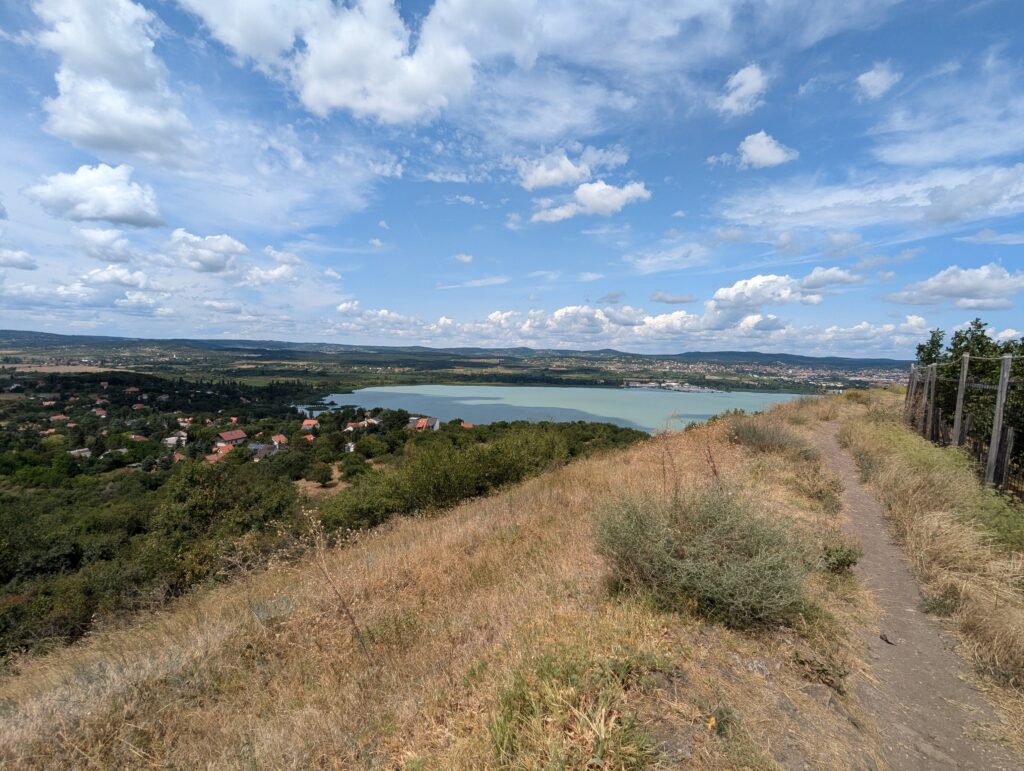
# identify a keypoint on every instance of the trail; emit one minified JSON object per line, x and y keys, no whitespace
{"x":928,"y":715}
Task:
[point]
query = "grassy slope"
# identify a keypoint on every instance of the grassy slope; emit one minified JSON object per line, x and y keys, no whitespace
{"x":486,"y":636}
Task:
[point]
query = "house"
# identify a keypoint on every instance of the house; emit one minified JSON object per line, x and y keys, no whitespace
{"x":138,"y":406}
{"x":260,"y":451}
{"x":83,"y":452}
{"x":179,"y":457}
{"x":467,"y":425}
{"x":138,"y":438}
{"x":184,"y":422}
{"x":58,"y":418}
{"x":309,"y":437}
{"x":424,"y":424}
{"x":99,"y":412}
{"x":311,"y":424}
{"x":231,"y":438}
{"x":131,"y":390}
{"x":177,"y":439}
{"x":279,"y":440}
{"x":350,"y":447}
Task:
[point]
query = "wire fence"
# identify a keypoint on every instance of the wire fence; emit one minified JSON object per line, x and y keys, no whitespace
{"x":976,"y":403}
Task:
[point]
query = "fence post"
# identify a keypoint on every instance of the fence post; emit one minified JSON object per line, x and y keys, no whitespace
{"x":933,"y":375}
{"x":997,"y":419}
{"x":908,"y":401}
{"x":1006,"y":455}
{"x":961,"y":391}
{"x":926,"y":387}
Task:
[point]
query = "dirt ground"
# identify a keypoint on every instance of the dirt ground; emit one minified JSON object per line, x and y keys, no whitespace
{"x":927,"y":712}
{"x":315,"y":490}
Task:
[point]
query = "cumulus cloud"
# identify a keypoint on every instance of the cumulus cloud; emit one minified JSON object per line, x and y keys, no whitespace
{"x":15,"y":258}
{"x":877,"y":81}
{"x":117,"y":275}
{"x":819,"y":278}
{"x":989,"y":287}
{"x":594,"y":198}
{"x":256,"y":276}
{"x":463,"y":257}
{"x":112,"y":92}
{"x":743,"y":91}
{"x":761,"y":150}
{"x":106,"y":244}
{"x":204,"y":254}
{"x":98,"y":193}
{"x":556,"y":169}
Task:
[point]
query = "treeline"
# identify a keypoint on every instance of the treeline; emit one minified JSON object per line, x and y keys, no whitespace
{"x":97,"y":544}
{"x":985,"y":354}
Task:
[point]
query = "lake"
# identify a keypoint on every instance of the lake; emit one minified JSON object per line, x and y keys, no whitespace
{"x":645,"y":409}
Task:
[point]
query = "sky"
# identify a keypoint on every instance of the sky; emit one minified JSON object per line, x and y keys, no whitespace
{"x":827,"y":177}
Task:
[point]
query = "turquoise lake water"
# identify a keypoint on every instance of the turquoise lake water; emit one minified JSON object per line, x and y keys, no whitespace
{"x":648,"y":410}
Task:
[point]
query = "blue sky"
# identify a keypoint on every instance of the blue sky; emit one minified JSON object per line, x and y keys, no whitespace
{"x":833,"y":177}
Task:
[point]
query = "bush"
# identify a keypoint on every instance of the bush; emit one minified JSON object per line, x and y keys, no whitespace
{"x":711,"y":553}
{"x":765,"y":435}
{"x":839,"y":556}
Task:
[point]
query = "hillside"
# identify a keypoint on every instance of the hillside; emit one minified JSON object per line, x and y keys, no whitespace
{"x":521,"y":630}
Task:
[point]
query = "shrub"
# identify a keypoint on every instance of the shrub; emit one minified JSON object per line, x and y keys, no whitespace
{"x":711,"y":553}
{"x":765,"y":435}
{"x":839,"y":556}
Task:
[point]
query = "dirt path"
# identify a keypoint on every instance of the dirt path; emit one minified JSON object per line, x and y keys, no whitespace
{"x":927,"y":713}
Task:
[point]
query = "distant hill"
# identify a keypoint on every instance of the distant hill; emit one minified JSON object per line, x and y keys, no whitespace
{"x":45,"y":340}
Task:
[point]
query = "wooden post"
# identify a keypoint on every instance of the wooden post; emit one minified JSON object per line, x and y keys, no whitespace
{"x":1005,"y":456}
{"x":933,"y":375}
{"x":997,"y":419}
{"x":926,"y":387}
{"x":908,"y":401}
{"x":961,"y":391}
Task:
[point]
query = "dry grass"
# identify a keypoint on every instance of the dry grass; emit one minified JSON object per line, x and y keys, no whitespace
{"x":960,"y":539}
{"x":495,"y":614}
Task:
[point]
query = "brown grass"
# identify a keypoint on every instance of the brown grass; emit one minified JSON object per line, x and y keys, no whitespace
{"x":457,"y":617}
{"x":950,"y":528}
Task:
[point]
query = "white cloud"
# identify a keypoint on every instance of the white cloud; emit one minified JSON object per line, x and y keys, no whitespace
{"x":556,"y":169}
{"x":594,"y":198}
{"x":673,"y":256}
{"x":117,"y":275}
{"x":282,"y":258}
{"x":765,"y":290}
{"x":988,"y":287}
{"x":106,"y":244}
{"x":15,"y":258}
{"x":874,"y":83}
{"x":743,"y":91}
{"x":376,"y":243}
{"x":590,"y":276}
{"x":112,"y":88}
{"x":476,"y":283}
{"x":205,"y":254}
{"x":462,"y":257}
{"x":383,"y":225}
{"x":256,"y":276}
{"x":819,"y":278}
{"x":95,"y":193}
{"x":988,"y":236}
{"x":332,"y":273}
{"x":761,"y":150}
{"x":937,"y":196}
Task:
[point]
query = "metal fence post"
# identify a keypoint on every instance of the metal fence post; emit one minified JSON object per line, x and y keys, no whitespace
{"x":997,"y":419}
{"x":961,"y":391}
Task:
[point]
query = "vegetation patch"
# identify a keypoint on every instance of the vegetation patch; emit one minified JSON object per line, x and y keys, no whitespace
{"x":839,"y":555}
{"x":712,"y":553}
{"x":766,"y":435}
{"x":568,"y":708}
